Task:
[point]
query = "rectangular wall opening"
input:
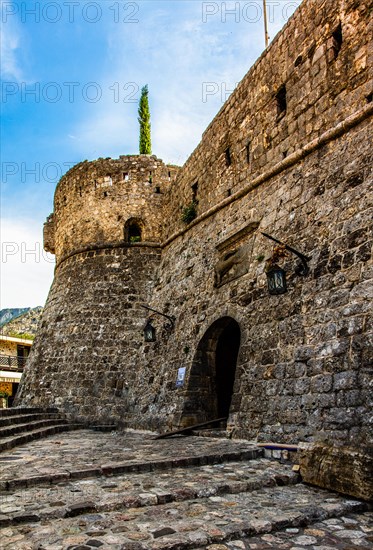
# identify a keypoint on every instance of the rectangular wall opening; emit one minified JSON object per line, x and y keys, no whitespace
{"x":195,"y":192}
{"x":228,"y":157}
{"x":281,"y":100}
{"x":248,"y":159}
{"x":337,"y":40}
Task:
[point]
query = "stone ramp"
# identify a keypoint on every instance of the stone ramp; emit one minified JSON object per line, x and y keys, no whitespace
{"x":22,"y":425}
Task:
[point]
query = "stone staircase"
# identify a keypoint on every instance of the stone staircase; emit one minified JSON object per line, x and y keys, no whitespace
{"x":234,"y":499}
{"x":20,"y":425}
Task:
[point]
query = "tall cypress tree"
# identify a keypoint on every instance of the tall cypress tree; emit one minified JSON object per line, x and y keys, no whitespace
{"x":144,"y":120}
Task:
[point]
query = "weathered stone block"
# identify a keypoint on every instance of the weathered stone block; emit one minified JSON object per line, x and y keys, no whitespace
{"x":345,"y":380}
{"x":321,"y":383}
{"x":342,"y":469}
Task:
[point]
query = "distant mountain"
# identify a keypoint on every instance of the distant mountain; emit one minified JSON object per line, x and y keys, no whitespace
{"x":24,"y":325}
{"x":7,"y":315}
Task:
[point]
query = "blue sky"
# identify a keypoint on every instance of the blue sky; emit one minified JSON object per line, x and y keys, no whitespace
{"x":71,"y":78}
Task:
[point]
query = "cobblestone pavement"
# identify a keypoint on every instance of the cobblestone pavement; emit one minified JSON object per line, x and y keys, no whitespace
{"x":245,"y":504}
{"x":347,"y":533}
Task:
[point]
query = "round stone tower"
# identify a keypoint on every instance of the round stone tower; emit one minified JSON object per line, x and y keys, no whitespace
{"x":105,"y":232}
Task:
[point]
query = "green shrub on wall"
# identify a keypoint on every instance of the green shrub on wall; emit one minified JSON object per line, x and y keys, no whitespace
{"x":23,"y":335}
{"x":189,"y":212}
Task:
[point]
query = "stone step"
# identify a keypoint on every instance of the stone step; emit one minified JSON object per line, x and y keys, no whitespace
{"x":103,"y":427}
{"x":208,"y":432}
{"x":179,"y":525}
{"x":9,"y":431}
{"x":85,"y":453}
{"x":127,"y":467}
{"x":139,"y":490}
{"x":7,"y":443}
{"x":14,"y":411}
{"x":23,"y":418}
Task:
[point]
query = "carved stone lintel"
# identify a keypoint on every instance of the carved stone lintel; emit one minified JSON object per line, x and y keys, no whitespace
{"x":235,"y":253}
{"x":232,"y":240}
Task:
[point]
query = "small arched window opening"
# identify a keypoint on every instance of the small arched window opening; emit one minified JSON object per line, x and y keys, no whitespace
{"x":133,"y":231}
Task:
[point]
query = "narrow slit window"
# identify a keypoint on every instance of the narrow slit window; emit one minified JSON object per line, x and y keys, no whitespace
{"x":228,"y":157}
{"x":126,"y":176}
{"x":150,"y":177}
{"x":157,"y":190}
{"x":195,"y":192}
{"x":337,"y":40}
{"x":248,"y":152}
{"x":281,"y":100}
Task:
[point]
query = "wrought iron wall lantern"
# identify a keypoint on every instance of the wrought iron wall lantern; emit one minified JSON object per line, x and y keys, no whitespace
{"x":149,"y":330}
{"x":276,"y":276}
{"x":276,"y":280}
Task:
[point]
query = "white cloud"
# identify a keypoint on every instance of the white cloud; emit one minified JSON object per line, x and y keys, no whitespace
{"x":26,"y":269}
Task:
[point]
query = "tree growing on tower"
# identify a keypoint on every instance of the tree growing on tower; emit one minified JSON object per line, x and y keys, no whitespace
{"x":144,"y":120}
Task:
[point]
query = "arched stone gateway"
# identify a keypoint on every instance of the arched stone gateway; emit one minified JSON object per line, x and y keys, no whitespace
{"x":210,"y":388}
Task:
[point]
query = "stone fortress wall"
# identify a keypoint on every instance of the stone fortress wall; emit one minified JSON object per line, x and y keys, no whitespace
{"x":313,"y":76}
{"x":288,"y":154}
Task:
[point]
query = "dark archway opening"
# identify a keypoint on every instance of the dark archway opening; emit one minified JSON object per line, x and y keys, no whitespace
{"x":211,"y":381}
{"x":226,"y":359}
{"x":133,"y":231}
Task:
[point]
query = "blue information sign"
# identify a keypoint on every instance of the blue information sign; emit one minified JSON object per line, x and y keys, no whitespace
{"x":180,"y":377}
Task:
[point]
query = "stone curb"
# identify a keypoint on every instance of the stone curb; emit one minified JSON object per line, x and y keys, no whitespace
{"x":130,"y":467}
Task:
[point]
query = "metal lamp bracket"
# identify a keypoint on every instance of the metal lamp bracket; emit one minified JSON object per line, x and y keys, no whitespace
{"x":303,"y":269}
{"x":171,"y":319}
